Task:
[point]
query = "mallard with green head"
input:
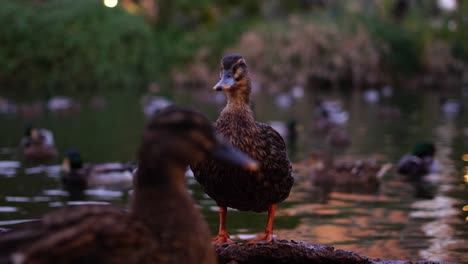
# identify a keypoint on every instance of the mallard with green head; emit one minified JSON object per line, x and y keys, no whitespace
{"x":419,"y":162}
{"x":230,"y":187}
{"x":162,"y":226}
{"x":78,"y":175}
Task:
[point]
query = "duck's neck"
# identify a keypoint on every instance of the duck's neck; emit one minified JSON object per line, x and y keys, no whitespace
{"x":161,"y":175}
{"x":238,"y":104}
{"x":155,"y":202}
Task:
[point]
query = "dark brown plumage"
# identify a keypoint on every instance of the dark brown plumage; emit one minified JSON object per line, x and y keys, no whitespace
{"x":163,"y":226}
{"x":229,"y":187}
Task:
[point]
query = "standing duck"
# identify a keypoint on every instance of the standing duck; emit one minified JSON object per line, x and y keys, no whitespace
{"x":230,"y":187}
{"x":162,"y":226}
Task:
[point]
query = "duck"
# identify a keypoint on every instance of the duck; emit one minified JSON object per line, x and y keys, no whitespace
{"x":358,"y":175}
{"x":322,"y":181}
{"x":333,"y":112}
{"x":257,"y":191}
{"x":38,"y":144}
{"x":63,"y":104}
{"x":419,"y":162}
{"x":7,"y":106}
{"x":288,"y":130}
{"x":162,"y":225}
{"x":152,"y":104}
{"x":345,"y":174}
{"x":77,"y":175}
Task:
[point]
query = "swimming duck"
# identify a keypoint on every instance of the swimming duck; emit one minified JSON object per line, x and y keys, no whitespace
{"x":358,"y":175}
{"x":162,"y":226}
{"x":77,"y":175}
{"x":245,"y":191}
{"x":419,"y":162}
{"x":151,"y":104}
{"x":345,"y":174}
{"x":63,"y":104}
{"x":38,"y":144}
{"x":287,"y":130}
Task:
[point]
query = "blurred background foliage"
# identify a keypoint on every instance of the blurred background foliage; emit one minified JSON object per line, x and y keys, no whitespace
{"x":52,"y":46}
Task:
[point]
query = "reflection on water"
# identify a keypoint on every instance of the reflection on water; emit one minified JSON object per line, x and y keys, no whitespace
{"x":441,"y":211}
{"x":330,"y":203}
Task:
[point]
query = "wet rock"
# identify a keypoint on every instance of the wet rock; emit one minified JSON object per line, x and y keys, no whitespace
{"x":292,"y":252}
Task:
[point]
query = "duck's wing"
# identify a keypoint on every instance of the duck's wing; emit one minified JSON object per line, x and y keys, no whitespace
{"x":78,"y":234}
{"x":271,"y":141}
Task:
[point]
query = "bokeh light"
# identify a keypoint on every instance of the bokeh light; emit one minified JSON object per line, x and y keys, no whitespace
{"x":448,"y":5}
{"x":465,"y":157}
{"x":111,"y":3}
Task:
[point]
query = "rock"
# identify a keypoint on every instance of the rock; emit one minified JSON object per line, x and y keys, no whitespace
{"x":283,"y":251}
{"x":292,"y":252}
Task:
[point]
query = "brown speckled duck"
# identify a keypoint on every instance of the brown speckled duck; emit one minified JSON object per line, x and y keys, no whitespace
{"x":163,"y":225}
{"x":38,"y":145}
{"x":230,"y":187}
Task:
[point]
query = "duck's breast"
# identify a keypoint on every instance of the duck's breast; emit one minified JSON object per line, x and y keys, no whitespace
{"x":243,"y":190}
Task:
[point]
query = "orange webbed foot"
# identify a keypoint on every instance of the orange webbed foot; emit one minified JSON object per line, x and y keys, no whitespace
{"x":267,"y":237}
{"x":222,"y":238}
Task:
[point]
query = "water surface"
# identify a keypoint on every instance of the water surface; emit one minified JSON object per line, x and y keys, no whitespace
{"x":389,"y":221}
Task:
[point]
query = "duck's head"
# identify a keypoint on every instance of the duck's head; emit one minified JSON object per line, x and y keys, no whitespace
{"x":72,"y":160}
{"x":234,"y":75}
{"x":28,"y":130}
{"x":175,"y":138}
{"x":424,"y":149}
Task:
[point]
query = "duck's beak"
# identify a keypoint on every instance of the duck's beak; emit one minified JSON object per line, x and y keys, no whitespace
{"x":66,"y":165}
{"x":234,"y":157}
{"x":34,"y":134}
{"x":226,"y":82}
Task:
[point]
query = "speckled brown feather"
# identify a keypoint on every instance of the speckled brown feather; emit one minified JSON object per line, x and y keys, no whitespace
{"x":235,"y":188}
{"x":82,"y":234}
{"x":163,"y":225}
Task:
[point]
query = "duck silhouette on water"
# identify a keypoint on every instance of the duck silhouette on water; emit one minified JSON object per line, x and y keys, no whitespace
{"x":162,"y":226}
{"x":231,"y":187}
{"x":38,"y":145}
{"x":79,"y":175}
{"x":416,"y":165}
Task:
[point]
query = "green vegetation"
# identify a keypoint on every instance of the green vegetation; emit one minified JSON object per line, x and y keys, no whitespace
{"x":72,"y":45}
{"x":64,"y":45}
{"x":348,"y":44}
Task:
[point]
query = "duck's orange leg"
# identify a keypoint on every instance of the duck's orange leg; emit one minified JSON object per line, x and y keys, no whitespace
{"x":268,"y":235}
{"x":223,"y":236}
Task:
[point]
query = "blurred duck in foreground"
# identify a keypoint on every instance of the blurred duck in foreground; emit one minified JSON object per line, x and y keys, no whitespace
{"x":38,"y":145}
{"x":77,"y":175}
{"x":419,"y":162}
{"x":162,"y":226}
{"x":256,"y":191}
